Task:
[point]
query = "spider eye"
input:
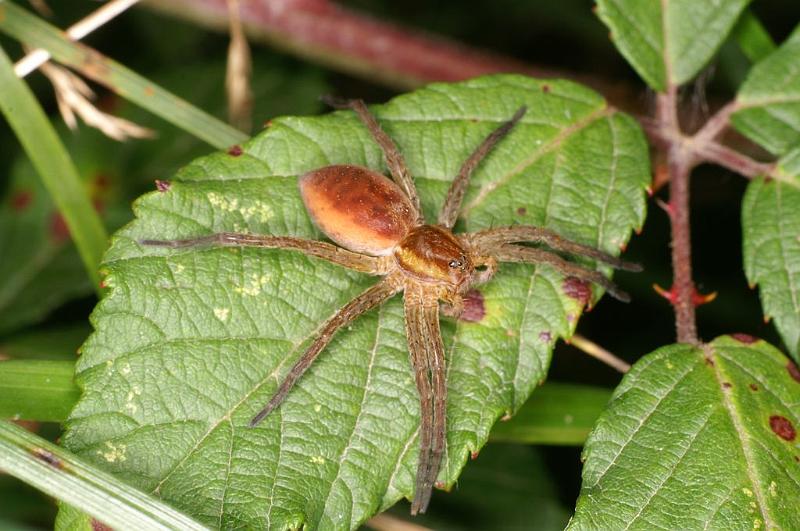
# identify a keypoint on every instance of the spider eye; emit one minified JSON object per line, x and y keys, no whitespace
{"x":460,"y":263}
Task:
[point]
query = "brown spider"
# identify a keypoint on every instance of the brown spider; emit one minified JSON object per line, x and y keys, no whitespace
{"x":379,"y":225}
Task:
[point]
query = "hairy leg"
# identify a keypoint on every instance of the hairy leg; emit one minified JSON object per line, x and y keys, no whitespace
{"x":452,"y":204}
{"x":356,"y":261}
{"x":532,"y":255}
{"x":416,"y":333}
{"x":369,"y":299}
{"x":394,"y":159}
{"x":436,"y":362}
{"x":486,"y":241}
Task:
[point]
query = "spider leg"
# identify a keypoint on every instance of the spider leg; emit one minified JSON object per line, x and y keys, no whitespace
{"x":486,"y":240}
{"x":427,"y":358}
{"x":356,"y":261}
{"x":394,"y":159}
{"x":436,"y":362}
{"x":532,"y":255}
{"x":452,"y":204}
{"x":369,"y":299}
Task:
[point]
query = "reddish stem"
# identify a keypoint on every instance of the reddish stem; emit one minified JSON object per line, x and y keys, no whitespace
{"x":679,"y":164}
{"x":326,"y":32}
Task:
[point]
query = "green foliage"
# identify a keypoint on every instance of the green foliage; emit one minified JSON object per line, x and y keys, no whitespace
{"x":669,"y":41}
{"x":770,"y":100}
{"x":43,"y":270}
{"x":37,"y":389}
{"x":557,"y":413}
{"x":489,"y":495}
{"x":690,"y":440}
{"x":35,"y":32}
{"x":771,"y":235}
{"x":53,"y":165}
{"x":61,"y":474}
{"x":189,"y":345}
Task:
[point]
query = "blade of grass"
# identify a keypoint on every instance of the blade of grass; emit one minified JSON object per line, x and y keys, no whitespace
{"x":35,"y":32}
{"x":63,"y":475}
{"x":54,"y":166}
{"x":557,"y":413}
{"x":754,"y":40}
{"x":40,"y":390}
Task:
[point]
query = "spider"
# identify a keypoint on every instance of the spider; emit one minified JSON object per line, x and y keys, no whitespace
{"x":380,"y":230}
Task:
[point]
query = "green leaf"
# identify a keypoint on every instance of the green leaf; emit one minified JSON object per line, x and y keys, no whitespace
{"x":63,"y":475}
{"x":53,"y":164}
{"x":189,"y":345}
{"x":769,"y":100}
{"x":754,"y":40}
{"x":557,"y":413}
{"x":697,"y":438}
{"x":37,"y":389}
{"x":669,"y":41}
{"x":33,"y":31}
{"x":771,"y":238}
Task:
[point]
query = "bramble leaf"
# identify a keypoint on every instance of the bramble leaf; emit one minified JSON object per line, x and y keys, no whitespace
{"x":669,"y":41}
{"x":190,"y":344}
{"x":769,"y":99}
{"x":771,"y":238}
{"x":697,"y":439}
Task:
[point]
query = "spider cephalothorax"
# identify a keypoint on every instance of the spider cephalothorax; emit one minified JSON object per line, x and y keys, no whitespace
{"x":381,"y":231}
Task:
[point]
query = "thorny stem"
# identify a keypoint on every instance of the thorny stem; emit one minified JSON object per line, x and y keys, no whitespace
{"x":679,"y":165}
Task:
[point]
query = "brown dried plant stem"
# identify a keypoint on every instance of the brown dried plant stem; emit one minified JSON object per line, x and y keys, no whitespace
{"x":679,"y":165}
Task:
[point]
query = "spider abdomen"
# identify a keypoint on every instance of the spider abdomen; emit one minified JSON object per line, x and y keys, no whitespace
{"x":357,"y":208}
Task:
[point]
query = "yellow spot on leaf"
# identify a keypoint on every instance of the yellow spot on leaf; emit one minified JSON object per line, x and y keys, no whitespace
{"x":773,"y":489}
{"x":256,"y":209}
{"x":317,"y":408}
{"x":222,"y":313}
{"x":747,"y":492}
{"x":115,"y":453}
{"x":126,"y":369}
{"x":253,"y":285}
{"x":318,"y":460}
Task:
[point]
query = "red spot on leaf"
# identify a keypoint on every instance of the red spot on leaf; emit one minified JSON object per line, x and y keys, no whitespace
{"x":727,"y":385}
{"x":753,"y":387}
{"x":522,"y":211}
{"x":474,"y":455}
{"x":744,"y":338}
{"x":577,"y":289}
{"x":149,"y":90}
{"x":100,"y":526}
{"x":235,"y":151}
{"x":794,"y":372}
{"x":546,"y":88}
{"x":58,"y":228}
{"x":474,"y":307}
{"x":163,"y":186}
{"x":782,"y":427}
{"x":21,"y":200}
{"x":545,"y":336}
